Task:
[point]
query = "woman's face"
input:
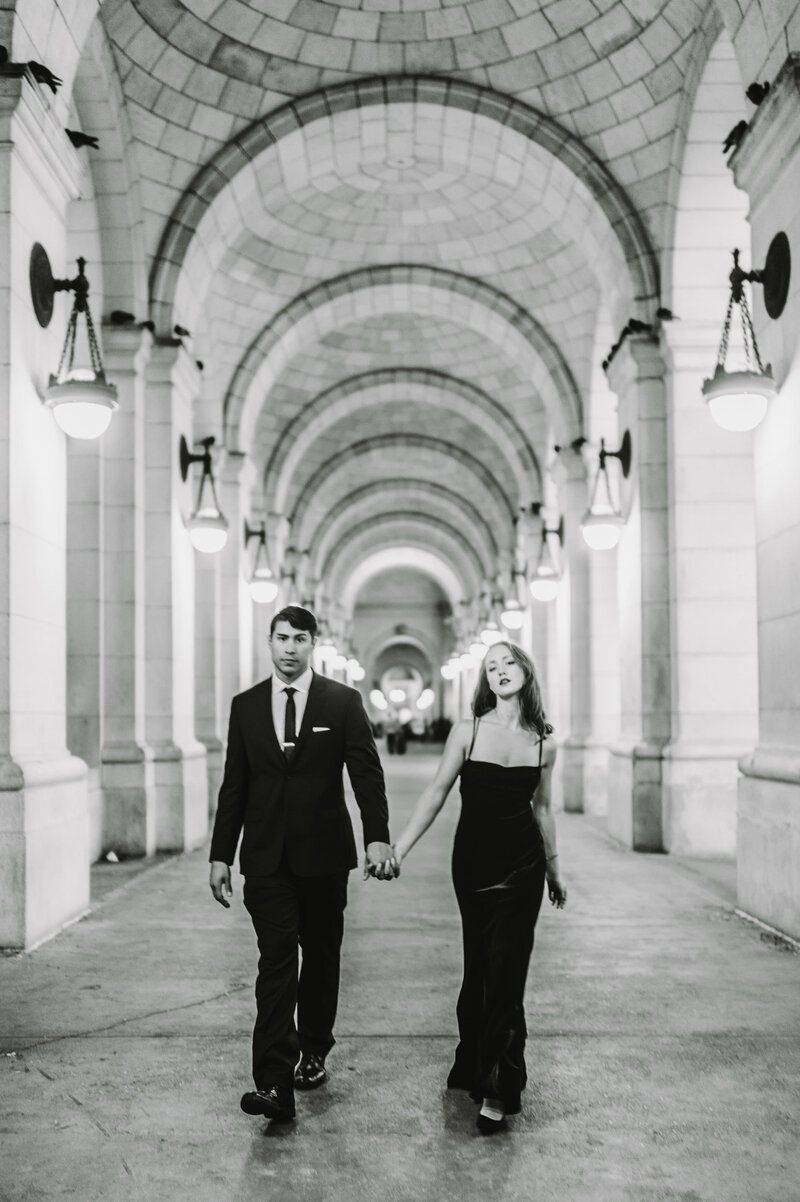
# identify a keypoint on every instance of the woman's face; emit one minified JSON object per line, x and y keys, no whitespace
{"x":504,"y":675}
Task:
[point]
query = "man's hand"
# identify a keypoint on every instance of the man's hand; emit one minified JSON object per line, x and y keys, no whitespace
{"x":380,"y":862}
{"x":220,"y":882}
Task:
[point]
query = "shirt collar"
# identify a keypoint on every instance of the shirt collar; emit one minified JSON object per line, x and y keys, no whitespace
{"x":301,"y":685}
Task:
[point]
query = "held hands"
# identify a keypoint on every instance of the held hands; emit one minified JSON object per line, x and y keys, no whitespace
{"x":381,"y":862}
{"x":220,"y":882}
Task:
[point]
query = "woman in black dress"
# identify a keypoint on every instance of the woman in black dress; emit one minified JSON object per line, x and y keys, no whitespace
{"x":505,"y":848}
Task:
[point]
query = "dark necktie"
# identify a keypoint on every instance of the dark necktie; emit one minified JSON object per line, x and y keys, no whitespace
{"x":289,"y":725}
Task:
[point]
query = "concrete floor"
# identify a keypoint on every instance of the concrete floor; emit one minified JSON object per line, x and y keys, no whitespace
{"x":664,"y":1054}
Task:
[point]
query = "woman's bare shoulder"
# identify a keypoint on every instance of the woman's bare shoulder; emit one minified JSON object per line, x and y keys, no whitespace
{"x":549,"y":751}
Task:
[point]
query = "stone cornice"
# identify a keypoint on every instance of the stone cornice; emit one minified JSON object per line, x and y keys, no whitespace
{"x":28,"y":126}
{"x":773,"y":136}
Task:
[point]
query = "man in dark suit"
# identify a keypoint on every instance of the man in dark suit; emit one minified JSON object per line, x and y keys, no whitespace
{"x":288,"y":741}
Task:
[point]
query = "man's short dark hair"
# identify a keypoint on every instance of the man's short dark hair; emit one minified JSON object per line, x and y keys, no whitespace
{"x":297,"y":617}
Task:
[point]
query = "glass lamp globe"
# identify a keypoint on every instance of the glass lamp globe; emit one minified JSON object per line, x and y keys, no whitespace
{"x":544,"y":588}
{"x":601,"y":528}
{"x":738,"y":400}
{"x":477,"y":651}
{"x":338,"y":662}
{"x":513,"y":616}
{"x":82,"y":403}
{"x":491,"y":634}
{"x":326,"y":652}
{"x":378,"y":700}
{"x":263,"y":588}
{"x":208,"y":530}
{"x":466,"y":661}
{"x":351,"y":664}
{"x":397,"y":695}
{"x":449,"y":671}
{"x":357,"y":673}
{"x":426,"y":699}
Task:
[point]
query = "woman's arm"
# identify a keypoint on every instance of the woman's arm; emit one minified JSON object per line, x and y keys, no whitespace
{"x":433,"y":798}
{"x":543,"y":813}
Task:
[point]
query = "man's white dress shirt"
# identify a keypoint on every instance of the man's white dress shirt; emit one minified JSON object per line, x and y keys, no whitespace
{"x":301,"y":687}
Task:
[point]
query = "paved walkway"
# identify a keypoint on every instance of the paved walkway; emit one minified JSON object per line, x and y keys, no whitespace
{"x":664,"y":1054}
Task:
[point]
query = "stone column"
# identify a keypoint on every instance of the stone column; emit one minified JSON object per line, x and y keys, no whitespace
{"x":179,"y":759}
{"x":127,"y":770}
{"x":44,"y":827}
{"x":636,"y":375}
{"x":713,"y":605}
{"x":767,"y":167}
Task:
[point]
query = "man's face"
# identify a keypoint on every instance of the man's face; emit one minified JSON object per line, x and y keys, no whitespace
{"x":291,"y":650}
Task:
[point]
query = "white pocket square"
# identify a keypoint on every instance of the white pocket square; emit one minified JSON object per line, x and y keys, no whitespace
{"x":316,"y":729}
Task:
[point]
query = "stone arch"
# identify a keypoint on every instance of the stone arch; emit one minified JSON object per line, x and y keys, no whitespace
{"x":409,"y":554}
{"x":396,"y":385}
{"x":384,"y":443}
{"x":424,"y":290}
{"x":184,"y":230}
{"x":378,"y":524}
{"x":366,"y":496}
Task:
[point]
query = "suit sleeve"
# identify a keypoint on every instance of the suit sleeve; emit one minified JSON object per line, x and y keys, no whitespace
{"x":232,"y":794}
{"x":365,"y":772}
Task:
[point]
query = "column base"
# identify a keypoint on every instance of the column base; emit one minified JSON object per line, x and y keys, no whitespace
{"x":768,"y":883}
{"x":585,"y":777}
{"x":181,"y":793}
{"x":128,"y":782}
{"x":699,"y":800}
{"x":44,"y":849}
{"x":634,"y":796}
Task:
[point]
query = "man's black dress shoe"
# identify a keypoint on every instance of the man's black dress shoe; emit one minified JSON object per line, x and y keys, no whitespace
{"x":310,"y":1072}
{"x":273,"y":1103}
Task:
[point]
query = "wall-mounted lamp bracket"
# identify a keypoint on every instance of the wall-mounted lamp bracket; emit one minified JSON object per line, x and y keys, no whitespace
{"x":259,"y":532}
{"x":44,"y":285}
{"x":775,"y":276}
{"x":187,"y":457}
{"x":624,"y":454}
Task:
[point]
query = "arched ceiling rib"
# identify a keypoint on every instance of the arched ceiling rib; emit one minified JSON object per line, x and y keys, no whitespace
{"x":409,"y":555}
{"x":188,"y":253}
{"x":398,"y":495}
{"x":415,"y":543}
{"x":426,"y":292}
{"x":380,"y":529}
{"x":415,"y":456}
{"x":399,"y":386}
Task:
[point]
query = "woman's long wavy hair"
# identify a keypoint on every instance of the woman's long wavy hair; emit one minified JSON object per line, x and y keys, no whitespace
{"x":531,"y":711}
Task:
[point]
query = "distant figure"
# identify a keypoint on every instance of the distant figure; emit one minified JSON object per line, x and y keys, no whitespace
{"x":505,"y":848}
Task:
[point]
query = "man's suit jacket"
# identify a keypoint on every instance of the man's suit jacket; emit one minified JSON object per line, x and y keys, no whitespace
{"x":299,"y":805}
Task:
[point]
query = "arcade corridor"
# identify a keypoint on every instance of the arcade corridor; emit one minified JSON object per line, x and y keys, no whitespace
{"x":663,"y":1045}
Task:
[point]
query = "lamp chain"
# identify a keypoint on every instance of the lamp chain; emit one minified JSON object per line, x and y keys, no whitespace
{"x":80,"y":305}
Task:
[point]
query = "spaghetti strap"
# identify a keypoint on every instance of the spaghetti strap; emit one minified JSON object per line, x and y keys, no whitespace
{"x":541,"y":745}
{"x":475,"y":722}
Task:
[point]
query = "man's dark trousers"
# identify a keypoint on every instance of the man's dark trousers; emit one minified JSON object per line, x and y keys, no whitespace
{"x":287,"y":910}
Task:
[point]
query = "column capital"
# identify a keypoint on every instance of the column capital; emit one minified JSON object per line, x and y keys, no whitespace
{"x":638,"y":358}
{"x":770,"y":142}
{"x":126,"y":349}
{"x":28,"y":125}
{"x":692,"y":346}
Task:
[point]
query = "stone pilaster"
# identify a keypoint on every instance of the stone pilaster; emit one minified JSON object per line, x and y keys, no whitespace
{"x":636,"y":375}
{"x":179,"y":759}
{"x":44,"y":822}
{"x":712,"y":605}
{"x":767,"y":167}
{"x":127,"y":770}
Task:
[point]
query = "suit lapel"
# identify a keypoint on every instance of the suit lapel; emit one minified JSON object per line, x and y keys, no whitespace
{"x":314,"y":704}
{"x":275,"y":749}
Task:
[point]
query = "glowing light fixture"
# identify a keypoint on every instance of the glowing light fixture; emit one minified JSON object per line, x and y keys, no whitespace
{"x":449,"y":671}
{"x":738,"y":400}
{"x":601,"y":525}
{"x":378,"y":700}
{"x":207,"y":526}
{"x":82,"y":400}
{"x":263,"y":585}
{"x":426,"y":699}
{"x":545,"y":583}
{"x":466,"y":661}
{"x":513,"y":616}
{"x":491,"y":634}
{"x":357,"y":673}
{"x":327,"y":652}
{"x":339,"y":662}
{"x":478,"y":650}
{"x":352,"y":664}
{"x":397,"y":696}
